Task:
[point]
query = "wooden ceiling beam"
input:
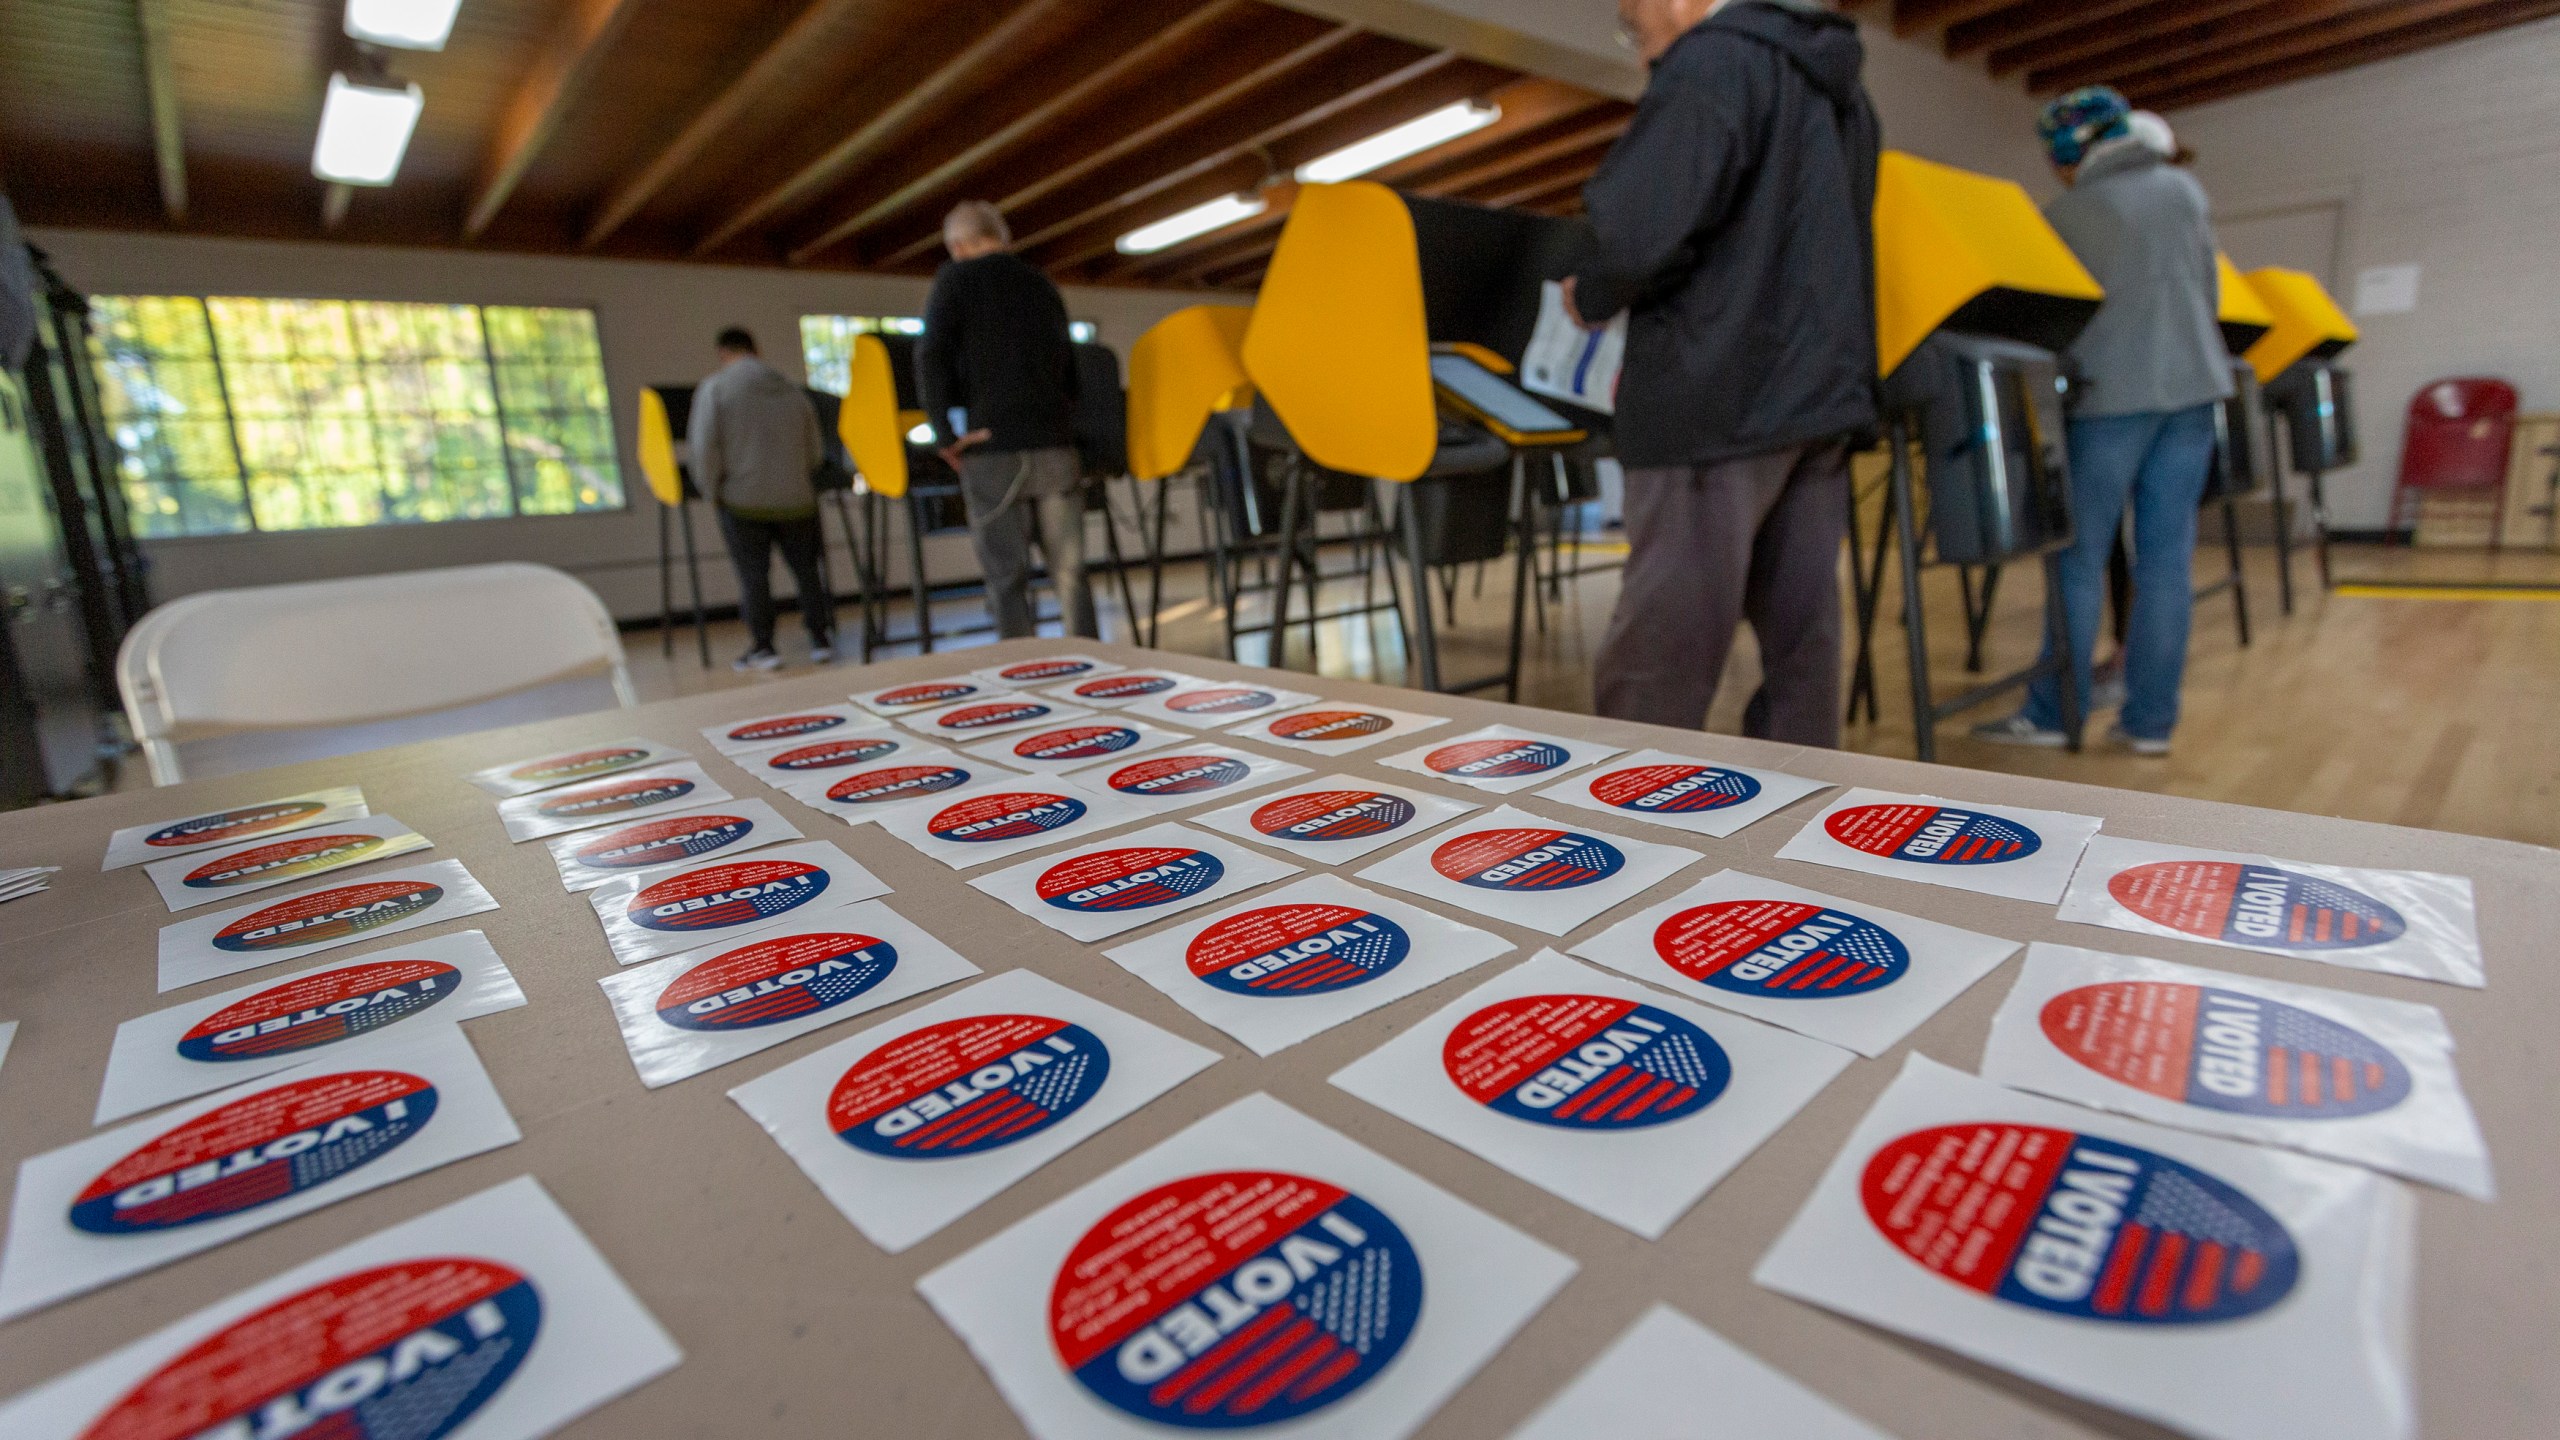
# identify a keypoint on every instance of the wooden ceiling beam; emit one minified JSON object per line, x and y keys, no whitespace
{"x":2188,"y":42}
{"x":160,"y":88}
{"x":2388,"y":45}
{"x":1539,"y":189}
{"x":1919,"y":17}
{"x":2365,"y":20}
{"x":2077,"y":35}
{"x":533,"y":113}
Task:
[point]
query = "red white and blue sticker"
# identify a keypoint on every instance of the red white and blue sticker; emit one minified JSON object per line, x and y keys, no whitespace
{"x":1068,"y":747}
{"x":222,"y":827}
{"x":2225,"y":1050}
{"x":827,"y":755}
{"x":1585,"y":1062}
{"x":1500,"y":759}
{"x":743,"y":737}
{"x":1129,"y":878}
{"x":1335,"y":821}
{"x":659,"y":913}
{"x":770,"y":982}
{"x":1208,"y":705}
{"x":1781,"y":949}
{"x":1009,"y":815}
{"x":1334,"y":728}
{"x":1530,"y":871}
{"x":1102,"y":889}
{"x":865,"y":791}
{"x":924,"y":695}
{"x":999,"y":714}
{"x":1292,"y":951}
{"x":1527,"y":860}
{"x":1048,"y":669}
{"x":305,"y":1014}
{"x":967,"y":1086}
{"x":579,"y":807}
{"x":1126,"y":688}
{"x":1932,"y":834}
{"x":591,"y":858}
{"x":1187,"y":775}
{"x":2262,"y":907}
{"x":996,"y":818}
{"x":595,"y":762}
{"x":189,"y":880}
{"x":257,"y":1150}
{"x":2022,"y":854}
{"x":244,"y":938}
{"x":1679,"y":793}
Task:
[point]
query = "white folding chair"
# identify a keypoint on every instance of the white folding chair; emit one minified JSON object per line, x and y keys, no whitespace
{"x":275,"y":673}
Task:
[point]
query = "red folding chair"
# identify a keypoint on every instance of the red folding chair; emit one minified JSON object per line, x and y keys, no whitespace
{"x":2459,"y":434}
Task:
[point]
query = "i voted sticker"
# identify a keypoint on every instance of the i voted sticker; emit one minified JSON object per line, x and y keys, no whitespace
{"x":831,"y":755}
{"x":562,"y":769}
{"x":2078,"y":1225}
{"x":2223,"y":1050}
{"x":401,"y":1352}
{"x":1495,"y":759}
{"x":1178,"y":775}
{"x":234,"y":824}
{"x":1585,"y":1062}
{"x":935,"y":692}
{"x":1282,"y":950}
{"x":327,"y":916}
{"x":1316,"y":727}
{"x":320,"y":1010}
{"x":967,"y":1086}
{"x":1124,"y":687}
{"x":725,"y":896}
{"x":2255,"y":905}
{"x":1076,"y":742}
{"x":894,"y":783}
{"x":783,"y":727}
{"x":995,"y":714}
{"x":1133,"y":878}
{"x":255,"y":1151}
{"x":662,"y":842}
{"x":1333,"y":815}
{"x":1782,"y":949}
{"x":1222,"y":700}
{"x":1034,"y":672}
{"x":1673,"y":789}
{"x":618,"y":798}
{"x":284,"y":860}
{"x":1013,"y":815}
{"x":772,"y":981}
{"x":1932,"y":834}
{"x":1521,"y":861}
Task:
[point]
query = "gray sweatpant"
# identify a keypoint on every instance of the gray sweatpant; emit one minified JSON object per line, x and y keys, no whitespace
{"x":1710,"y":546}
{"x":1015,"y":496}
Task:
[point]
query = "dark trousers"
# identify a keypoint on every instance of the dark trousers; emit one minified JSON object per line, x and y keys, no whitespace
{"x":751,"y":547}
{"x":1710,"y":546}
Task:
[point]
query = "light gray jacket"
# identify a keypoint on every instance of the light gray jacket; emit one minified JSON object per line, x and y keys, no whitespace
{"x":754,"y":438}
{"x":2141,"y":226}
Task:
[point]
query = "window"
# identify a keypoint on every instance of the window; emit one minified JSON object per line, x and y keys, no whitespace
{"x":236,"y":414}
{"x":826,"y":343}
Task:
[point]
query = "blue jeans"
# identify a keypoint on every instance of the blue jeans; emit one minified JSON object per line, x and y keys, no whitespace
{"x":2158,"y":461}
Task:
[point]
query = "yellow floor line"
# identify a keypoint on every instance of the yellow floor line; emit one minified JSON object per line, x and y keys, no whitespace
{"x":2446,"y":592}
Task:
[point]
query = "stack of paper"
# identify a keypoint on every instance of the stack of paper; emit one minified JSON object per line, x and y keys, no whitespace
{"x":17,"y":884}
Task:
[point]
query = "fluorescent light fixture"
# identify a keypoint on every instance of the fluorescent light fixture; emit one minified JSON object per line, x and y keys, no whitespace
{"x":1410,"y":138}
{"x":402,"y":24}
{"x":1218,"y":214}
{"x":364,"y":130}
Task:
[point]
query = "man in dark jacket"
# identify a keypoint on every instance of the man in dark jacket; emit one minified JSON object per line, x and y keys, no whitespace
{"x":1735,"y":223}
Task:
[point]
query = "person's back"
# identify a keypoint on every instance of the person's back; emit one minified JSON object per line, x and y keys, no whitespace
{"x":755,"y":440}
{"x":996,"y":345}
{"x":2142,"y":226}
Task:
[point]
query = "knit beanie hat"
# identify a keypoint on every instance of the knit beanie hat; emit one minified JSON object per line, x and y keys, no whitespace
{"x":2076,"y":122}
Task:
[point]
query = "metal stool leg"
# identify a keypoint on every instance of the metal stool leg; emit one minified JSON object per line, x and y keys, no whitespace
{"x":1292,"y":508}
{"x":1906,"y":528}
{"x":915,"y":566}
{"x":1426,"y":643}
{"x":666,"y":585}
{"x":693,"y":573}
{"x":2239,"y":575}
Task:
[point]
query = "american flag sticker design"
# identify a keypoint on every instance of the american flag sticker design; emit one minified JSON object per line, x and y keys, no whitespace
{"x":1333,"y":815}
{"x":831,"y":755}
{"x":1226,"y":700}
{"x":2223,"y":1050}
{"x":1585,"y":1062}
{"x":662,"y":842}
{"x":1523,"y":861}
{"x":401,"y":1352}
{"x":256,"y":1150}
{"x":327,"y":916}
{"x":1179,"y":775}
{"x":723,"y":897}
{"x":1286,"y":950}
{"x":320,"y":1009}
{"x":614,"y":798}
{"x":1321,"y":725}
{"x":995,"y":712}
{"x":2258,"y":906}
{"x":2073,"y":1224}
{"x":772,"y":981}
{"x":1672,"y":789}
{"x":1032,"y":672}
{"x":932,"y":693}
{"x":1075,"y":742}
{"x":1783,"y":949}
{"x":785,"y":727}
{"x":1932,"y":834}
{"x":578,"y":766}
{"x":1495,"y":759}
{"x":1235,"y":1299}
{"x":1125,"y":687}
{"x":285,"y":859}
{"x":1136,"y":878}
{"x":967,"y":1086}
{"x":233,"y":824}
{"x":1012,"y":816}
{"x":894,"y":783}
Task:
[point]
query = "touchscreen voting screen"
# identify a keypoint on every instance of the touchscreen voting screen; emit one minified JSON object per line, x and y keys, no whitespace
{"x":1497,"y":399}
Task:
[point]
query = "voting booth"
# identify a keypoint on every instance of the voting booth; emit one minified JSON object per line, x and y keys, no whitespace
{"x":2311,"y":399}
{"x":665,"y":412}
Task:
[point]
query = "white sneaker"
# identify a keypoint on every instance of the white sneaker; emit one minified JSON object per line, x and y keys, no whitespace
{"x":822,"y":653}
{"x":2137,"y":744}
{"x":757,"y":659}
{"x":2019,"y":730}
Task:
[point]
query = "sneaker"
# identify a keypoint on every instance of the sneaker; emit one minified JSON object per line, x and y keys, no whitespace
{"x":2106,"y":688}
{"x":2019,"y":730}
{"x":822,"y":652}
{"x":2138,"y":744}
{"x":759,"y":658}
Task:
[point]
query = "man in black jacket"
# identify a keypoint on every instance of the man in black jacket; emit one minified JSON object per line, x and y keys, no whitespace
{"x":1735,"y":222}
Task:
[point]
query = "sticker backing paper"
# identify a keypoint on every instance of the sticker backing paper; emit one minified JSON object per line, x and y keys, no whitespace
{"x":1181,"y":777}
{"x":2022,"y":854}
{"x":1256,"y":1269}
{"x":656,"y":791}
{"x":2400,"y":922}
{"x":1093,"y":892}
{"x":1049,"y":670}
{"x":1055,"y":749}
{"x":918,"y":695}
{"x":1500,"y":758}
{"x":493,"y":1313}
{"x":1850,"y":973}
{"x":704,"y":1008}
{"x":269,"y":932}
{"x":2351,"y":1077}
{"x":789,"y":727}
{"x":1677,"y":792}
{"x":993,"y":819}
{"x":2229,"y":1291}
{"x":142,"y":844}
{"x":187,"y":881}
{"x":1122,"y":689}
{"x":684,"y":907}
{"x":1628,"y":1103}
{"x":860,"y":796}
{"x":910,"y":1125}
{"x":1668,"y":1374}
{"x":1547,"y":875}
{"x":590,"y":858}
{"x":1336,"y":819}
{"x":1330,"y":727}
{"x":1210,"y":704}
{"x":587,"y":762}
{"x":1001,"y":714}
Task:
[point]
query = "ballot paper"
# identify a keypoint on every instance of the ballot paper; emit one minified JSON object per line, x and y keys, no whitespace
{"x":212,"y":1170}
{"x":2003,"y":850}
{"x":1122,"y":689}
{"x":1626,"y":1102}
{"x":307,"y":922}
{"x":1850,"y":973}
{"x":676,"y":908}
{"x":142,"y":844}
{"x":1109,"y":887}
{"x":790,"y":727}
{"x":798,"y":769}
{"x":1511,"y":865}
{"x":186,"y":881}
{"x":1209,"y":704}
{"x":1049,"y":669}
{"x":1186,"y":776}
{"x":661,"y":790}
{"x":1055,"y":749}
{"x":912,"y":1124}
{"x":2351,"y":1077}
{"x":1256,"y":1269}
{"x":1671,"y":1378}
{"x":1678,"y":792}
{"x":704,"y":1008}
{"x":240,"y":1035}
{"x":1001,"y":714}
{"x":1500,"y":758}
{"x":2400,"y":922}
{"x":8,"y":1034}
{"x":922,"y":772}
{"x":929,"y":694}
{"x":493,"y":1313}
{"x":1330,"y":727}
{"x":1291,"y":964}
{"x":590,"y":858}
{"x":994,"y":819}
{"x":593,"y":762}
{"x":1569,"y":361}
{"x":20,"y":883}
{"x":2229,"y":1291}
{"x":1336,"y":819}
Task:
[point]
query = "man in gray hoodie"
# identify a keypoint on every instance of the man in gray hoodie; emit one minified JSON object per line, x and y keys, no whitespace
{"x":755,"y":441}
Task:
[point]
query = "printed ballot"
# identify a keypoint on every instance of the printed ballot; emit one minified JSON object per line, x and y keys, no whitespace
{"x":1209,"y":704}
{"x":682,"y":907}
{"x":1123,"y":688}
{"x":993,"y":819}
{"x":187,"y":881}
{"x":928,"y":694}
{"x":1000,"y":714}
{"x":1055,"y":749}
{"x":910,"y":1125}
{"x":273,"y":1025}
{"x":1049,"y":669}
{"x":1671,"y":1378}
{"x":861,"y":796}
{"x":2351,"y":1077}
{"x":797,"y":769}
{"x":790,"y":727}
{"x":133,"y":1199}
{"x":309,"y":921}
{"x":1290,"y":965}
{"x":1566,"y":361}
{"x":594,"y":762}
{"x":590,"y":858}
{"x":491,"y":1318}
{"x":142,"y":844}
{"x":2022,"y":854}
{"x":1852,"y":974}
{"x":2228,"y":1291}
{"x":1679,"y":793}
{"x":1096,"y":891}
{"x":704,"y":1008}
{"x":1628,"y":1103}
{"x":1515,"y":866}
{"x":655,"y":791}
{"x":2400,"y":922}
{"x":1335,"y":819}
{"x":1500,"y":759}
{"x":1330,"y":727}
{"x":1184,"y":776}
{"x":1256,"y":1269}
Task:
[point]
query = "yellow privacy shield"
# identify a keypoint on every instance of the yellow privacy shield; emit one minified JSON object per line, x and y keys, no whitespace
{"x":1189,"y":365}
{"x":2307,"y":322}
{"x":868,"y":422}
{"x":658,"y":445}
{"x":2243,"y":312}
{"x":1338,"y":343}
{"x":1962,"y":251}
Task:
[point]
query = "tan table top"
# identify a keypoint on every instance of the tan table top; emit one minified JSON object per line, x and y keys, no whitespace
{"x":792,"y":1324}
